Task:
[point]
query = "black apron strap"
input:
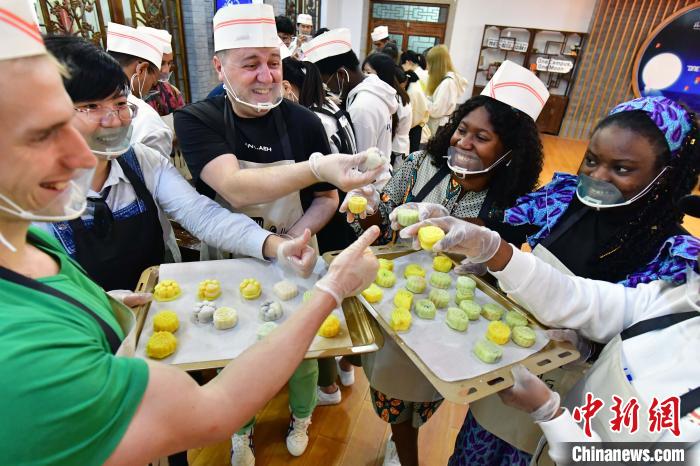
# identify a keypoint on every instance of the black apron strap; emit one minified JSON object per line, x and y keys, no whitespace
{"x":690,"y":401}
{"x":283,"y":134}
{"x":563,"y":227}
{"x":11,"y":276}
{"x":139,"y":185}
{"x":657,"y":323}
{"x":430,"y":185}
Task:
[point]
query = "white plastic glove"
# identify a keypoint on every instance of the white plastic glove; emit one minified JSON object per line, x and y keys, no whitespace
{"x":130,"y":298}
{"x":467,"y":267}
{"x":342,"y":170}
{"x":478,"y":243}
{"x":370,"y":193}
{"x":296,"y":255}
{"x":531,"y":395}
{"x":353,"y":270}
{"x":583,"y":346}
{"x":425,"y":210}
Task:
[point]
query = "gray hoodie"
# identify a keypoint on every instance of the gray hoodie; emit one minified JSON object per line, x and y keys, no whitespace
{"x":370,"y":105}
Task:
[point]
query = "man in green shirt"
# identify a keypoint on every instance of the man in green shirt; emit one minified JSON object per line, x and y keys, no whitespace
{"x":69,"y":396}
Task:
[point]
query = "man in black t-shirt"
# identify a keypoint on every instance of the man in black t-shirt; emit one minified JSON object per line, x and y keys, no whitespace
{"x":251,"y":147}
{"x":262,"y":155}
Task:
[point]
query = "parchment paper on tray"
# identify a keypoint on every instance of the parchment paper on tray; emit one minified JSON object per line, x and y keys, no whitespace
{"x":448,"y":353}
{"x":203,"y":342}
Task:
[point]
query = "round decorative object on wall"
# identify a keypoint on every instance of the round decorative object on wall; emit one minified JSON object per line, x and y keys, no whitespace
{"x":668,"y":63}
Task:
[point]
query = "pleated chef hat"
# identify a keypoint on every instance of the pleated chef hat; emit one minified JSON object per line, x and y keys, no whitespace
{"x":241,"y":26}
{"x":328,"y":44}
{"x":163,"y":36}
{"x":19,"y":31}
{"x":518,"y":87}
{"x":303,"y":18}
{"x":125,"y":39}
{"x":380,"y":32}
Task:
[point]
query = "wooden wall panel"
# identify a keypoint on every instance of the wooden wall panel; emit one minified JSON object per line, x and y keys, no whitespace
{"x":618,"y":29}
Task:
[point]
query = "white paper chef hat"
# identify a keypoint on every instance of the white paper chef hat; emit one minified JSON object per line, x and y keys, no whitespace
{"x":379,"y":33}
{"x":284,"y":50}
{"x":164,"y":38}
{"x":125,"y":39}
{"x":241,"y":26}
{"x":328,"y":44}
{"x":303,"y":18}
{"x":19,"y":31}
{"x":518,"y":87}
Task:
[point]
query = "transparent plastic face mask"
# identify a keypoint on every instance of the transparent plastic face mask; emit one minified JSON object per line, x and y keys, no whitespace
{"x":110,"y":143}
{"x":463,"y":163}
{"x":165,"y":77}
{"x":341,"y":85}
{"x":276,"y":95}
{"x":600,"y":194}
{"x":68,"y":205}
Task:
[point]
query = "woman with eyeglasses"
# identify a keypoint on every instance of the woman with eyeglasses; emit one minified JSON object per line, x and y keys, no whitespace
{"x":125,"y":228}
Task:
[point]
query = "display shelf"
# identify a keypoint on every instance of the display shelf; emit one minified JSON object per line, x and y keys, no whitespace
{"x":557,"y":51}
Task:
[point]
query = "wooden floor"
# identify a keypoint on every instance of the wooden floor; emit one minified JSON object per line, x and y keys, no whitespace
{"x":350,"y":434}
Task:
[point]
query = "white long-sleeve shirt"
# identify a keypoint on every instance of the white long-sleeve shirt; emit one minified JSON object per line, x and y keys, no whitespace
{"x":663,"y":363}
{"x":370,"y":105}
{"x":444,"y":100}
{"x":401,"y":142}
{"x":177,"y":199}
{"x":150,"y":129}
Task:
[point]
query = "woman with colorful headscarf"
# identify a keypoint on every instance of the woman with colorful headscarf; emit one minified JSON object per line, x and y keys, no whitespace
{"x":618,"y":220}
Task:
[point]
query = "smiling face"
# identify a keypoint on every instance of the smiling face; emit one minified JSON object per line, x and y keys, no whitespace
{"x":621,"y":157}
{"x":254,"y":74}
{"x":476,"y":140}
{"x":40,"y":149}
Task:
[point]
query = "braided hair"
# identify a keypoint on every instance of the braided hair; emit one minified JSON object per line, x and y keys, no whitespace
{"x":517,"y":132}
{"x":659,"y":213}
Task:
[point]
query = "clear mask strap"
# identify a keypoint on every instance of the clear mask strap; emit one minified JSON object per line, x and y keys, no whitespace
{"x":6,"y":243}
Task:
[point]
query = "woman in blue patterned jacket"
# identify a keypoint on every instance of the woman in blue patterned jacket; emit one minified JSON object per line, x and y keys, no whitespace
{"x":618,"y":220}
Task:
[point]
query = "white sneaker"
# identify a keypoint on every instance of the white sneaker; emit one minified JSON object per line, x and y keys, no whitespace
{"x":391,"y":456}
{"x":347,"y":378}
{"x":298,"y":435}
{"x":242,"y":453}
{"x":325,"y":399}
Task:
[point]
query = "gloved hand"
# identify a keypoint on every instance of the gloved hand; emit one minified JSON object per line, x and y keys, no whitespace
{"x":342,"y":170}
{"x":130,"y":298}
{"x":468,"y":267}
{"x":370,"y":193}
{"x":425,"y":210}
{"x":531,"y":395}
{"x":296,"y":255}
{"x":353,"y":270}
{"x":478,"y":243}
{"x":583,"y":346}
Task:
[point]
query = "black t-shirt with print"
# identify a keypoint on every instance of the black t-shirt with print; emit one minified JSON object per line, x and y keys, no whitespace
{"x":202,"y":132}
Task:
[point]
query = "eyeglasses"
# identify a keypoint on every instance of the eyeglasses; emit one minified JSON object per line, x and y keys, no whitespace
{"x":125,"y":112}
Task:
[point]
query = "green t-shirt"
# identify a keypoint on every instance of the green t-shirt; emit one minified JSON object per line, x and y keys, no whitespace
{"x":65,"y":399}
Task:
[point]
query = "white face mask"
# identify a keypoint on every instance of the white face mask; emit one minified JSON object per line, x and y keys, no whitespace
{"x":260,"y":107}
{"x":110,"y":143}
{"x":600,"y":194}
{"x":463,"y":163}
{"x":68,"y":205}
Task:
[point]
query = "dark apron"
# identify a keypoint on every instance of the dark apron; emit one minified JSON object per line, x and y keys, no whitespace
{"x":116,"y":254}
{"x":22,"y":280}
